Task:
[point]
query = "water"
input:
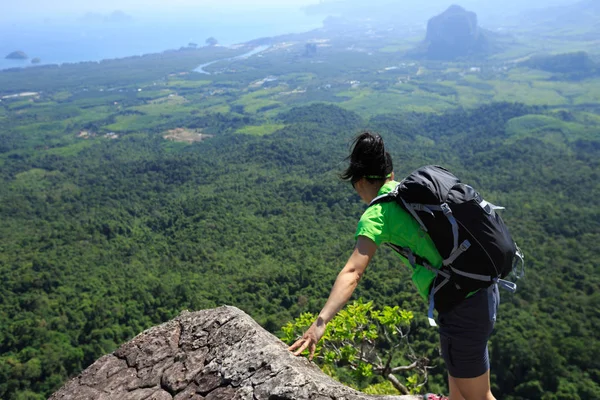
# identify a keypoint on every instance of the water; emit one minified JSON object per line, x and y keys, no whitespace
{"x":252,"y":52}
{"x":76,"y":41}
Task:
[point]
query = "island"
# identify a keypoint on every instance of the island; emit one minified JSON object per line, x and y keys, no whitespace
{"x":17,"y":55}
{"x":211,"y":41}
{"x":36,"y":60}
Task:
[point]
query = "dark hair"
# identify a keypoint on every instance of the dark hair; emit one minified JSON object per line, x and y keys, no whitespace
{"x":368,"y":159}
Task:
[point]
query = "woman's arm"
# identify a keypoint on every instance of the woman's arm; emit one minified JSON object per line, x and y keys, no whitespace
{"x":342,"y":290}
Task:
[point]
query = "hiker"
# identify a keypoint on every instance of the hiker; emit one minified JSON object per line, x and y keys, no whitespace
{"x":465,"y":324}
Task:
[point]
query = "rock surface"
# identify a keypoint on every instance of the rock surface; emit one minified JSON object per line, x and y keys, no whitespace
{"x":454,"y":33}
{"x":212,"y":354}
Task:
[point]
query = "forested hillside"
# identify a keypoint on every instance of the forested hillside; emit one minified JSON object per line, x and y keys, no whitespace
{"x":99,"y":245}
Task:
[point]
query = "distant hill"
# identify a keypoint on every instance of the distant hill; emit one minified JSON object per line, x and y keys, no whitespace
{"x":574,"y":65}
{"x":17,"y":55}
{"x":454,"y":34}
{"x":584,"y":12}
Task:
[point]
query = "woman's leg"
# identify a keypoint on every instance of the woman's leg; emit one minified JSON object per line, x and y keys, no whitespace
{"x":471,"y":388}
{"x":455,"y":393}
{"x":464,"y":333}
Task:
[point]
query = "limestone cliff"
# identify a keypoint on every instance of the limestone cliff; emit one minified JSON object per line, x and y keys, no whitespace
{"x":453,"y":34}
{"x":212,"y":354}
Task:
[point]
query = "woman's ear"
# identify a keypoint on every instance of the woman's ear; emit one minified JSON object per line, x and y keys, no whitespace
{"x":358,"y":183}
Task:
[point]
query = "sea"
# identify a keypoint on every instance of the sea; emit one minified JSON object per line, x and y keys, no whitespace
{"x":94,"y":39}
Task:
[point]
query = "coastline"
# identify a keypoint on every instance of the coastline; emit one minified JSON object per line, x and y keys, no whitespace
{"x":82,"y":44}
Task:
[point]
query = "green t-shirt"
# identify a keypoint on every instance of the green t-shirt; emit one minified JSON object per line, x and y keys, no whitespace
{"x":389,"y":223}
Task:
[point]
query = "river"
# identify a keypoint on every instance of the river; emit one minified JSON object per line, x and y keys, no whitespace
{"x":252,"y":52}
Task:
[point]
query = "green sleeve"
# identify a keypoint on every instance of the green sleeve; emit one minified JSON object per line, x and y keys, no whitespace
{"x":371,"y":225}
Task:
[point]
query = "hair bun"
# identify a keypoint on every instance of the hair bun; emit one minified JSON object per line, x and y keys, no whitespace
{"x":368,"y":158}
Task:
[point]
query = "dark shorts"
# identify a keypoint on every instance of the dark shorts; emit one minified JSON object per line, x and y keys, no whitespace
{"x":465,"y":331}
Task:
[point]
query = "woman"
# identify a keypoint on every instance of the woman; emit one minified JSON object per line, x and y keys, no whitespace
{"x":464,"y":329}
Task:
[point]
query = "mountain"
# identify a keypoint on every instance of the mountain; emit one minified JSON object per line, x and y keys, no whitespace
{"x":220,"y":353}
{"x":454,"y":34}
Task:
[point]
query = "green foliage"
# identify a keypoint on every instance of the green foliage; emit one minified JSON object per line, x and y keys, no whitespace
{"x":358,"y":338}
{"x":265,"y":129}
{"x":384,"y":387}
{"x":549,"y":129}
{"x":100,"y":244}
{"x":322,"y":114}
{"x":576,"y":64}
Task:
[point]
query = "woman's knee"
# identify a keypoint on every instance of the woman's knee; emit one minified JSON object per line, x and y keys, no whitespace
{"x":473,"y":388}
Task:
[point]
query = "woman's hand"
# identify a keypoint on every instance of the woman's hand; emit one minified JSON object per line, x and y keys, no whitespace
{"x":343,"y":287}
{"x":310,"y":339}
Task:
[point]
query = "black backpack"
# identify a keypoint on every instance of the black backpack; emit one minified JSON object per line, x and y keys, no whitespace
{"x":470,"y":236}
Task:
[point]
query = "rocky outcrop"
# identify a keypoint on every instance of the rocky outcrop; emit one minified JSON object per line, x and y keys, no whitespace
{"x":454,"y":34}
{"x":212,"y":354}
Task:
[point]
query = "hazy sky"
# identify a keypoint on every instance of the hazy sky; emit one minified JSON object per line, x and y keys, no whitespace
{"x":56,"y":8}
{"x":21,"y":10}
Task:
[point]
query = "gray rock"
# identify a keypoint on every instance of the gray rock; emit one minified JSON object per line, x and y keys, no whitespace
{"x":213,"y":354}
{"x":455,"y":33}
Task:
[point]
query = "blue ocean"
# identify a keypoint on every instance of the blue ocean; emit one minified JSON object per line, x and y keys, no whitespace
{"x":57,"y":42}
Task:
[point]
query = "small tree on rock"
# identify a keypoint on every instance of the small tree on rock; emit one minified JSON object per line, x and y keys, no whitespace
{"x":211,"y":41}
{"x":368,"y":342}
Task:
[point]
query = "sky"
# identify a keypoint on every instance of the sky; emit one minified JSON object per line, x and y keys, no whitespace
{"x":21,"y":9}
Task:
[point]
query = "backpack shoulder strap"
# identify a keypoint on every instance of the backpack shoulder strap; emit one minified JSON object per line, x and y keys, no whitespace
{"x":394,"y":195}
{"x":384,"y":198}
